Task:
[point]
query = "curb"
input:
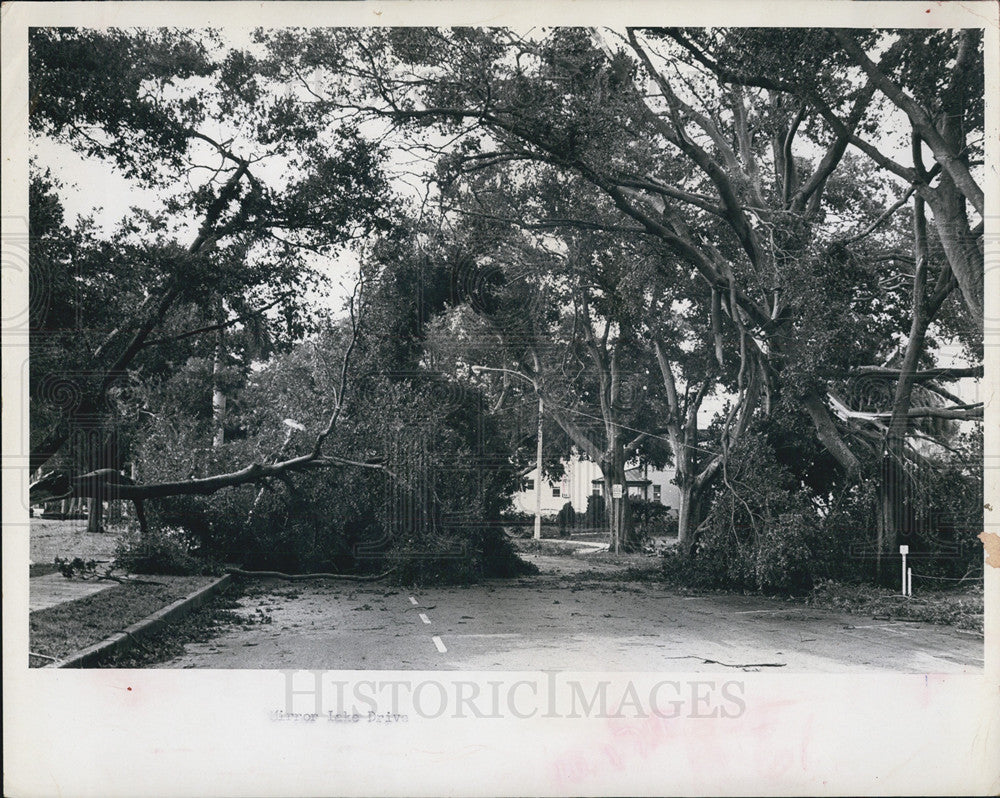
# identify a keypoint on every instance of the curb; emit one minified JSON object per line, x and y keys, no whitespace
{"x":144,"y":628}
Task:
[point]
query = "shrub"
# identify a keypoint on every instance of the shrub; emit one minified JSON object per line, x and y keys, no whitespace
{"x":783,"y":558}
{"x":777,"y":558}
{"x":652,"y":519}
{"x":596,"y":514}
{"x":518,"y":518}
{"x":763,"y":532}
{"x":166,"y":551}
{"x":566,"y":519}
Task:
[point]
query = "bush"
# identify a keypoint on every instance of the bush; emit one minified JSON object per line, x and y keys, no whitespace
{"x":762,"y":534}
{"x":518,"y":518}
{"x":784,"y":557}
{"x":778,"y":558}
{"x":596,"y":515}
{"x":652,"y":519}
{"x":566,"y":519}
{"x":165,"y":551}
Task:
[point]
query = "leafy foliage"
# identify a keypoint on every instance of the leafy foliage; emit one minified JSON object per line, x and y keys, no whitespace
{"x":166,"y":551}
{"x":579,"y":236}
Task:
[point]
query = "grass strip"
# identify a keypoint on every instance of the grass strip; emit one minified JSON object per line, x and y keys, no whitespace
{"x":64,"y":629}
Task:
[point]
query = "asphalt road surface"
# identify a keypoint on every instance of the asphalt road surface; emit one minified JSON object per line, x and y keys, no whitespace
{"x":569,"y":617}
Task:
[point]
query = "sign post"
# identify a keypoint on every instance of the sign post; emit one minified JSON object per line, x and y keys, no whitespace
{"x":904,"y":550}
{"x":617,"y":491}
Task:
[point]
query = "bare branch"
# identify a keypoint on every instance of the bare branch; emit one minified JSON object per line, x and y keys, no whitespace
{"x":950,"y":160}
{"x":213,"y":327}
{"x":946,"y":374}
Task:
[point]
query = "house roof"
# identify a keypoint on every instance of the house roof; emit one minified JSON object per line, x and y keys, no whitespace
{"x":633,"y":477}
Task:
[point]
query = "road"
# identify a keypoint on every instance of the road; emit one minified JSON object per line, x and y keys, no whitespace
{"x":569,"y":617}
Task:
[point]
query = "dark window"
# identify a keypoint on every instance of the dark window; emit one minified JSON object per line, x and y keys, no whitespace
{"x":529,"y":484}
{"x":556,"y":491}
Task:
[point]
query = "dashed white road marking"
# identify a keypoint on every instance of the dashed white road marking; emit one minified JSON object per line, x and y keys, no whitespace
{"x":439,"y":644}
{"x":413,"y":601}
{"x":424,"y":618}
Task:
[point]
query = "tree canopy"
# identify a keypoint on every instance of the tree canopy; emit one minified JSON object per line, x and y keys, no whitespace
{"x":619,"y":224}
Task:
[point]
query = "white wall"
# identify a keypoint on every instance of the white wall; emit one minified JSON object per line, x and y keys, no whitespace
{"x":577,"y":485}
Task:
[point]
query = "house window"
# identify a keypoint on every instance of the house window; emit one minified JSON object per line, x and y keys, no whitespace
{"x":597,"y":490}
{"x":556,"y":491}
{"x":529,"y":484}
{"x":656,"y":493}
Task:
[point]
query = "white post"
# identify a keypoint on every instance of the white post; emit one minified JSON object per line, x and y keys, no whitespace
{"x":904,"y":550}
{"x":538,"y":481}
{"x":909,"y":581}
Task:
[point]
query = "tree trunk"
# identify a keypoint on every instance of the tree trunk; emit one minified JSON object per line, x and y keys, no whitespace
{"x":960,"y":245}
{"x":620,"y":527}
{"x":828,"y":435}
{"x":95,"y":515}
{"x":685,"y":513}
{"x":892,"y":489}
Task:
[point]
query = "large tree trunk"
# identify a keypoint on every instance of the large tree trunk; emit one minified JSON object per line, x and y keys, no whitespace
{"x":892,"y":490}
{"x":95,"y":515}
{"x":685,"y":513}
{"x":692,"y":490}
{"x":620,"y":527}
{"x":960,"y":245}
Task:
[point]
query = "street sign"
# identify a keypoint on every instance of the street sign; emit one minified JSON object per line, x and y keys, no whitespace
{"x":617,"y":491}
{"x":904,"y":549}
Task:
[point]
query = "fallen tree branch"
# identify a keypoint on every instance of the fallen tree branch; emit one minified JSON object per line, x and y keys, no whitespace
{"x":108,"y":484}
{"x":969,"y":412}
{"x":750,"y":665}
{"x":295,"y":577}
{"x":919,"y":376}
{"x":128,"y":581}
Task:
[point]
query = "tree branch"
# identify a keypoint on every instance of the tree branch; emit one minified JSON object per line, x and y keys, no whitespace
{"x":944,"y":154}
{"x":212,"y":327}
{"x":945,"y":374}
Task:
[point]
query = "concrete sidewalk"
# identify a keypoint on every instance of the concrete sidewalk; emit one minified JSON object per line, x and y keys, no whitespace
{"x":66,"y":539}
{"x":52,"y":589}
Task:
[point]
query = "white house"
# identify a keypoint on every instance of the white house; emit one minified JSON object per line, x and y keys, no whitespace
{"x":582,"y":478}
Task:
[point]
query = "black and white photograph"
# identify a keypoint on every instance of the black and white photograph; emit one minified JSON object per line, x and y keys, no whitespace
{"x":409,"y":399}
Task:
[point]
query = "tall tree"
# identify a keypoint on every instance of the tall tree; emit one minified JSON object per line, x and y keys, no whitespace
{"x":202,"y":124}
{"x":732,"y":179}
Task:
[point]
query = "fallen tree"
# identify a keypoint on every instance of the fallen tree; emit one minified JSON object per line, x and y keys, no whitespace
{"x":109,"y":484}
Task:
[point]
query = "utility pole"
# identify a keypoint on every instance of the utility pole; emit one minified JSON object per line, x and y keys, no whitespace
{"x":538,"y":482}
